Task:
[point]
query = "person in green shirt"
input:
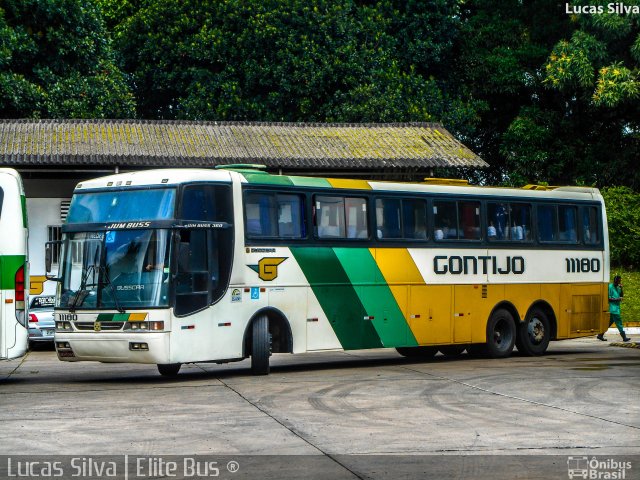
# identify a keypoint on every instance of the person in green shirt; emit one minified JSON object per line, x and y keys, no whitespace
{"x":615,"y":297}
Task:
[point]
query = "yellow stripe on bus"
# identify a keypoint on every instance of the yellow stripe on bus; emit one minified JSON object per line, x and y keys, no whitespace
{"x":403,"y":277}
{"x":349,"y":183}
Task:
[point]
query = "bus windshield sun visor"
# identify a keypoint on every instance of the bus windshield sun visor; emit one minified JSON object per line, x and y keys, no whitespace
{"x":143,"y":225}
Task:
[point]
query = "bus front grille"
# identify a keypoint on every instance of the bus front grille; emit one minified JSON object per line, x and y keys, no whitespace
{"x":104,"y":326}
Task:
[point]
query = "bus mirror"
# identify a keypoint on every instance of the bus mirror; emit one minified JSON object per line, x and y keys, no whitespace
{"x":48,"y":257}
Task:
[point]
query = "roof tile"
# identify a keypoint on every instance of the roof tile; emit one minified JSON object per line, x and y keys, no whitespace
{"x":148,"y":143}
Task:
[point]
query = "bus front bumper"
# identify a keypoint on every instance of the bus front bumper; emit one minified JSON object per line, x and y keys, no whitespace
{"x":113,"y":347}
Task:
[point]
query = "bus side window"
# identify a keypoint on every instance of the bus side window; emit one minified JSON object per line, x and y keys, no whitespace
{"x":567,"y":223}
{"x":590,"y":231}
{"x":388,"y":218}
{"x":291,"y":220}
{"x":207,"y":203}
{"x":414,"y":219}
{"x":445,"y":220}
{"x":547,"y":223}
{"x":330,"y":217}
{"x":469,"y":215}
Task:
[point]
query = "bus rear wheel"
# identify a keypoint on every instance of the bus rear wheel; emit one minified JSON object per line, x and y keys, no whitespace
{"x":501,"y":334}
{"x":417,"y":352}
{"x":260,"y":346}
{"x":452,"y":350}
{"x":169,"y":369}
{"x":534,"y":334}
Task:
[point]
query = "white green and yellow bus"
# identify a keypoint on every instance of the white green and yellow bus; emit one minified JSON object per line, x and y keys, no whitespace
{"x":177,"y":266}
{"x":14,"y":266}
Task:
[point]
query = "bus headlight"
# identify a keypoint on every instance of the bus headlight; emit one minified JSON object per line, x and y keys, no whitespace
{"x":62,"y":326}
{"x":144,"y":326}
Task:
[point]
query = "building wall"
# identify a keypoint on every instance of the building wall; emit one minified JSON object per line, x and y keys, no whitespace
{"x":42,"y":212}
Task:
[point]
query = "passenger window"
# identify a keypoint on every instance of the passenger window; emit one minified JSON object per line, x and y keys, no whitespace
{"x":207,"y":203}
{"x":290,"y":216}
{"x":388,"y":218}
{"x":445,"y":220}
{"x":414,"y":215}
{"x":547,"y":223}
{"x":341,"y":217}
{"x":567,"y":224}
{"x":590,"y":226}
{"x":274,"y":215}
{"x":456,"y":221}
{"x":401,"y":218}
{"x":469,"y":215}
{"x":509,"y":221}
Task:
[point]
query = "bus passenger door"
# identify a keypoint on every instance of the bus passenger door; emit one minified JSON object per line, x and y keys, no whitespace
{"x":430,"y":313}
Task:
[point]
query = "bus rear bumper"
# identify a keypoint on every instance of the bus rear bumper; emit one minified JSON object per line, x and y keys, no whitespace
{"x":113,"y":347}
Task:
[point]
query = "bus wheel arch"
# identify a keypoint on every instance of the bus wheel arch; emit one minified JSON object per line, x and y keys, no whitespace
{"x":271,"y":327}
{"x":537,"y":329}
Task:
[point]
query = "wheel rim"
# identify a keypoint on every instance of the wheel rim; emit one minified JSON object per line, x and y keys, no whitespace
{"x":502,"y":335}
{"x":535,"y":330}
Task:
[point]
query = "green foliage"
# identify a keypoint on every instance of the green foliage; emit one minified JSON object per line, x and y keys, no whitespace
{"x":630,"y":306}
{"x":616,"y":84}
{"x":569,"y":64}
{"x":623,"y":212}
{"x":501,"y":48}
{"x":56,"y":61}
{"x":292,"y":60}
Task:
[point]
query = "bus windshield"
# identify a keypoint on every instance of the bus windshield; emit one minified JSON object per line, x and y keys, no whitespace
{"x":116,"y":269}
{"x":122,"y":206}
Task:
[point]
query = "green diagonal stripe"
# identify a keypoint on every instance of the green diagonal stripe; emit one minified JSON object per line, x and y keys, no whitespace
{"x":337,"y":297}
{"x":376,"y":296}
{"x":113,"y":317}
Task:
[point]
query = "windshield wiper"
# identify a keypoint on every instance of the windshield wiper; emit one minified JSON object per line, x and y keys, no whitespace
{"x":82,"y":293}
{"x":113,"y":290}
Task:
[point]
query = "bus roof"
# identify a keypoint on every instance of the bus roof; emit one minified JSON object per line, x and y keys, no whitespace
{"x":252,"y":175}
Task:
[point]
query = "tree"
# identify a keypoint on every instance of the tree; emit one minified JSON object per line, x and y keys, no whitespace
{"x":56,"y":61}
{"x":623,"y":216}
{"x":498,"y":62}
{"x":291,"y":60}
{"x":584,"y":125}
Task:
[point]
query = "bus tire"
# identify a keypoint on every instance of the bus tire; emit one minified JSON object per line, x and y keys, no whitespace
{"x":452,"y":350}
{"x":533,"y":335}
{"x":501,"y":334}
{"x":417,"y":352}
{"x":260,"y":346}
{"x":169,"y":369}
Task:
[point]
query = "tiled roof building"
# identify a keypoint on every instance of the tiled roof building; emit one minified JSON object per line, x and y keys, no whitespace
{"x":290,"y":147}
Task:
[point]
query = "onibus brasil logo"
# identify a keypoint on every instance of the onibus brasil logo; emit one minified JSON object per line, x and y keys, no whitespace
{"x":587,"y":468}
{"x":267,"y":267}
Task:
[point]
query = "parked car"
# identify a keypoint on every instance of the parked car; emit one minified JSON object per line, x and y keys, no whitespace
{"x":41,"y":323}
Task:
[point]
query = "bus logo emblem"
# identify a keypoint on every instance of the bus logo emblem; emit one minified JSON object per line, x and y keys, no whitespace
{"x":267,"y":268}
{"x":97,"y":327}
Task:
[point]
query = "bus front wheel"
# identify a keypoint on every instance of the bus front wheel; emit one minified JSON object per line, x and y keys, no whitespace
{"x":534,"y":334}
{"x":260,"y":346}
{"x":501,"y":334}
{"x":169,"y":369}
